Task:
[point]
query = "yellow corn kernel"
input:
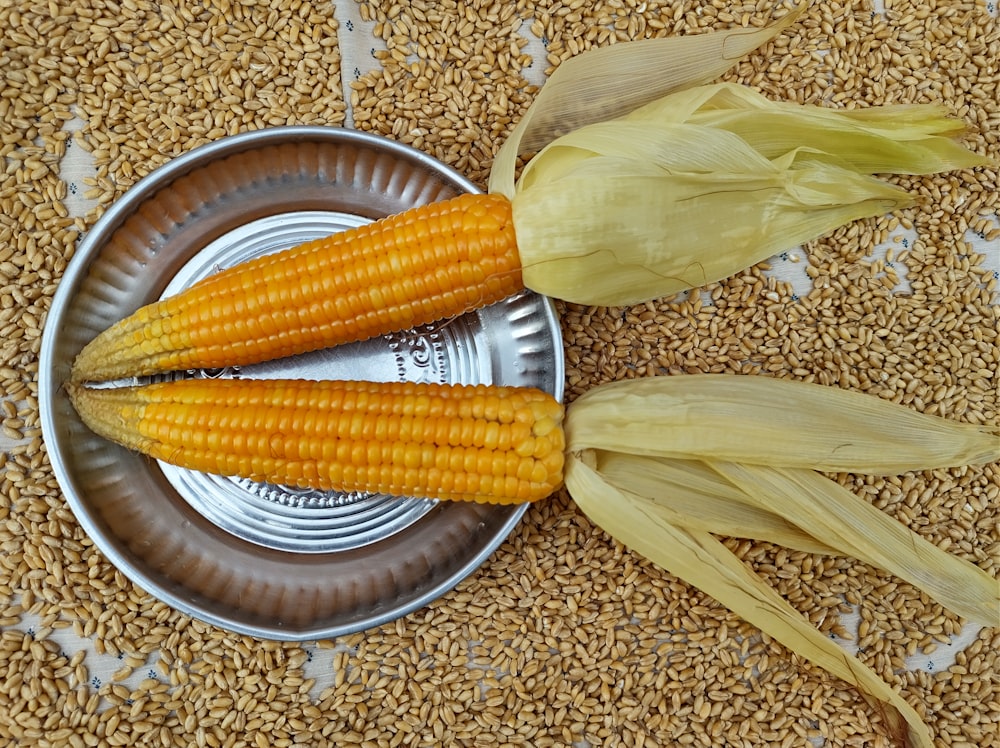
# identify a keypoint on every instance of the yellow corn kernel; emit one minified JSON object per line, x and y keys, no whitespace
{"x":461,"y":442}
{"x":429,"y":263}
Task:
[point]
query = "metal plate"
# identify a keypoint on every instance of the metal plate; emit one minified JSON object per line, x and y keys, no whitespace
{"x":255,"y":558}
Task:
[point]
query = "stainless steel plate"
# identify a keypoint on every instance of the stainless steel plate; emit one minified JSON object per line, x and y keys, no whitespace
{"x":256,"y":558}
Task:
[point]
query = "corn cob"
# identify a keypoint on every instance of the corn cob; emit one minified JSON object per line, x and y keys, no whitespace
{"x":473,"y":443}
{"x":429,"y":263}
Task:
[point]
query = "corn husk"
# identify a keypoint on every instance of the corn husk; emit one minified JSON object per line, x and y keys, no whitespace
{"x":829,"y":511}
{"x":802,"y":510}
{"x":767,"y":421}
{"x":650,"y":181}
{"x":664,"y":464}
{"x":607,"y":82}
{"x":634,"y":229}
{"x":691,"y":494}
{"x":701,"y":560}
{"x":893,"y":139}
{"x":675,"y":196}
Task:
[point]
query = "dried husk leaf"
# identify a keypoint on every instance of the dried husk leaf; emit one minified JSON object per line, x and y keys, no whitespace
{"x":701,"y":560}
{"x":802,"y":510}
{"x":767,"y":421}
{"x":617,"y":230}
{"x":616,"y":213}
{"x":831,"y":512}
{"x":611,"y":81}
{"x":900,"y":121}
{"x":690,"y":494}
{"x":895,"y":138}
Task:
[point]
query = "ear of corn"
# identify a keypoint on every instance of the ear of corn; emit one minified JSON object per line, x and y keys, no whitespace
{"x":471,"y":443}
{"x":494,"y":444}
{"x":613,"y":211}
{"x":433,"y":262}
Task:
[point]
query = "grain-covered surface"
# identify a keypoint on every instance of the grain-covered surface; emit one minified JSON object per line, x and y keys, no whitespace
{"x":563,"y":637}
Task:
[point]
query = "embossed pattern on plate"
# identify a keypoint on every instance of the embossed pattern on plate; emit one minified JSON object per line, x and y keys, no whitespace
{"x":136,"y":514}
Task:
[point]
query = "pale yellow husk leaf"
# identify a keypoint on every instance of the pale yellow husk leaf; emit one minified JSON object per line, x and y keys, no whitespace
{"x":830,"y":511}
{"x":699,"y":559}
{"x":802,"y":510}
{"x":620,"y":231}
{"x":767,"y":421}
{"x":890,"y":139}
{"x":651,"y":181}
{"x":607,"y":82}
{"x":691,"y":494}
